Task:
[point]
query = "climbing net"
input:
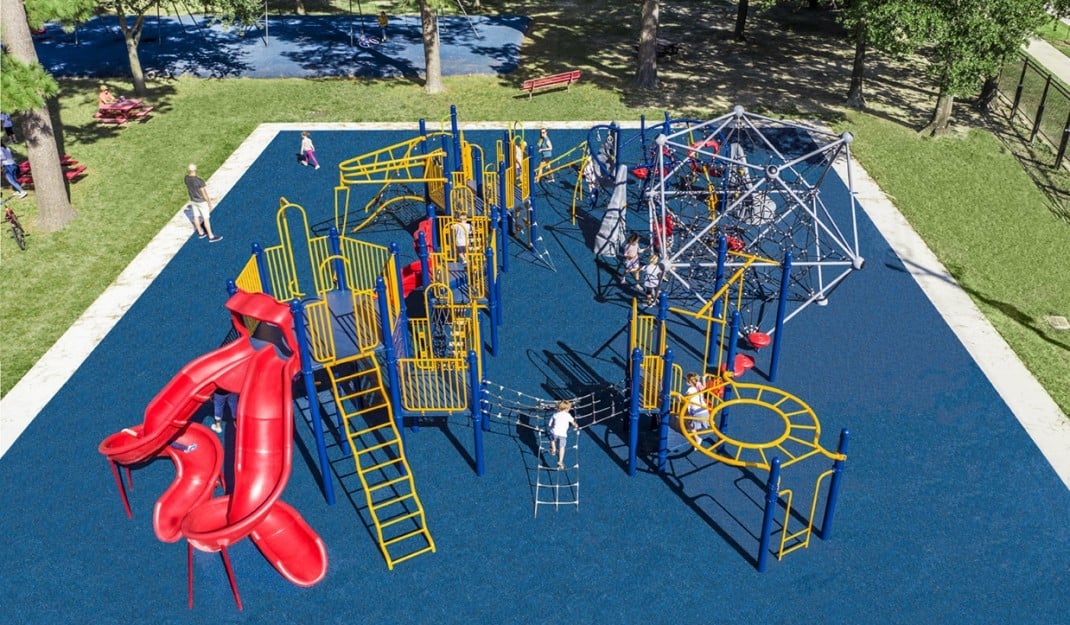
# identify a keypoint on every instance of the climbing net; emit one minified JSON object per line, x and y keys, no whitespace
{"x":529,"y":414}
{"x":757,"y":183}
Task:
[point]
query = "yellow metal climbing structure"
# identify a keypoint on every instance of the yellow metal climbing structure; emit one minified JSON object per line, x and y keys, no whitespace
{"x":379,"y":456}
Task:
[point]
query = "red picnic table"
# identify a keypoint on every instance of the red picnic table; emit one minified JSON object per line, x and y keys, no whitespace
{"x":121,"y":112}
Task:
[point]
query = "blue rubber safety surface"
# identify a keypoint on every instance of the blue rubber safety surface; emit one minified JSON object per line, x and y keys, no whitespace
{"x":948,"y":513}
{"x":293,"y":46}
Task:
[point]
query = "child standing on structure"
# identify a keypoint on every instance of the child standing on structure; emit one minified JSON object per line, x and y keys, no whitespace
{"x":462,"y":234}
{"x":308,"y":151}
{"x":631,"y":258}
{"x":559,"y":423}
{"x":697,"y":411}
{"x":652,"y":276}
{"x":546,"y":154}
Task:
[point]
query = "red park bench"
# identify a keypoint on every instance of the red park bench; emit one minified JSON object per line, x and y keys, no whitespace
{"x":566,"y":78}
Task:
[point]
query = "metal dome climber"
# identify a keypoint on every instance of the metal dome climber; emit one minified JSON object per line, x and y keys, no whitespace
{"x":757,"y":182}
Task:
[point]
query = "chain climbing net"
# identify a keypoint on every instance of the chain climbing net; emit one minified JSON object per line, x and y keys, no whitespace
{"x":553,"y":486}
{"x":756,"y":183}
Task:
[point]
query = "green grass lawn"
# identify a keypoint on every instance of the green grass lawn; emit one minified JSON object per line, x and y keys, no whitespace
{"x":966,"y":195}
{"x":1057,"y":34}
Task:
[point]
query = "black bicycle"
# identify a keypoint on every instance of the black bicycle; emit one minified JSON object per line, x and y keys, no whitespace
{"x":16,"y":227}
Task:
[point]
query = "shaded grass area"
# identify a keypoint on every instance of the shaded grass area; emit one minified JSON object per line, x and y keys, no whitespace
{"x":796,"y":63}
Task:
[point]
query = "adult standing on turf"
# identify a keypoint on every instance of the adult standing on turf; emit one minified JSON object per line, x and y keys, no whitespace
{"x":384,"y":21}
{"x":201,"y":204}
{"x":9,"y":127}
{"x":308,"y":151}
{"x":11,"y":170}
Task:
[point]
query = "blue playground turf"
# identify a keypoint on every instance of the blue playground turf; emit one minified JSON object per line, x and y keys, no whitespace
{"x":305,"y":46}
{"x":948,"y":513}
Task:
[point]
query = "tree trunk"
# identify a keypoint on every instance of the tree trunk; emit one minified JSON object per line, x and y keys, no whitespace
{"x":741,"y":19}
{"x":941,"y":115}
{"x":54,"y":210}
{"x":132,"y":38}
{"x":432,"y":56}
{"x":647,"y":76}
{"x":988,"y":94}
{"x":855,"y":97}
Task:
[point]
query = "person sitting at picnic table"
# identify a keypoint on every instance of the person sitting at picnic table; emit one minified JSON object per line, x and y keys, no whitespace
{"x":105,"y":97}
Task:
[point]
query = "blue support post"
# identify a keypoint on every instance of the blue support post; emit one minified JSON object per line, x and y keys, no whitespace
{"x":785,"y":279}
{"x":661,"y":315}
{"x":492,"y":301}
{"x":503,"y":232}
{"x":772,"y":494}
{"x":533,"y":221}
{"x":427,"y":185}
{"x":262,"y":269}
{"x":633,"y":409}
{"x":403,"y":312}
{"x":615,"y":132}
{"x":297,"y":311}
{"x":425,"y":259}
{"x":498,"y":298}
{"x":477,"y":176}
{"x":232,"y":288}
{"x":729,"y":366}
{"x":456,"y":133}
{"x":390,"y":356}
{"x":663,"y":424}
{"x":718,"y":307}
{"x":475,"y":386}
{"x":334,"y":246}
{"x":834,"y":486}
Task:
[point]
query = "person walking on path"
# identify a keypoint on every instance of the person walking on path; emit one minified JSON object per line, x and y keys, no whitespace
{"x":384,"y":21}
{"x":11,"y":170}
{"x":9,"y":127}
{"x":308,"y":150}
{"x":559,"y":424}
{"x":201,"y":204}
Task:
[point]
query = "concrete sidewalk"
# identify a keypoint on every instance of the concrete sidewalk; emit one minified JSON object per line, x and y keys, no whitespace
{"x":1050,"y":57}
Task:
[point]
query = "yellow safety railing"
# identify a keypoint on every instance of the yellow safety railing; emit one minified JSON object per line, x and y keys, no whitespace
{"x":801,"y":536}
{"x":366,"y":262}
{"x":433,"y":385}
{"x":248,"y":279}
{"x":402,"y":162}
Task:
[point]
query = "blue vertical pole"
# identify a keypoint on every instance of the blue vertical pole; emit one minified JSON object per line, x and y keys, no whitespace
{"x":532,"y":216}
{"x":447,"y":173}
{"x":662,"y":315}
{"x":425,"y":259}
{"x":633,"y":410}
{"x":615,"y":132}
{"x":455,"y":131}
{"x":474,"y":387}
{"x":503,"y":236}
{"x":834,"y":486}
{"x":231,"y":287}
{"x":262,"y":269}
{"x":772,"y":494}
{"x":403,"y":312}
{"x":785,"y":278}
{"x":729,"y":366}
{"x":390,"y":357}
{"x":492,"y":301}
{"x":663,"y":424}
{"x":713,"y":348}
{"x":334,"y":246}
{"x":498,"y":298}
{"x":427,"y":185}
{"x":477,"y":177}
{"x":298,"y":313}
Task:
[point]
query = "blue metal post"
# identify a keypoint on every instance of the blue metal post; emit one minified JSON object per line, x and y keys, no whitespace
{"x":456,"y":136}
{"x":503,"y":232}
{"x":298,"y":313}
{"x":232,"y":288}
{"x":772,"y":494}
{"x":425,"y":259}
{"x":262,"y":269}
{"x":474,"y":387}
{"x":615,"y":131}
{"x":633,"y":409}
{"x":713,"y":354}
{"x":498,"y":298}
{"x":661,"y":316}
{"x":390,"y":356}
{"x":334,"y":246}
{"x":427,"y":185}
{"x":729,"y":366}
{"x":492,"y":301}
{"x":785,"y":278}
{"x":533,"y":221}
{"x":663,"y":424}
{"x":834,"y":486}
{"x":477,"y":177}
{"x":403,"y":312}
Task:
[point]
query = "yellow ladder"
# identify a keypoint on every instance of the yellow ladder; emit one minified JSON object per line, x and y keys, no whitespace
{"x":379,"y":455}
